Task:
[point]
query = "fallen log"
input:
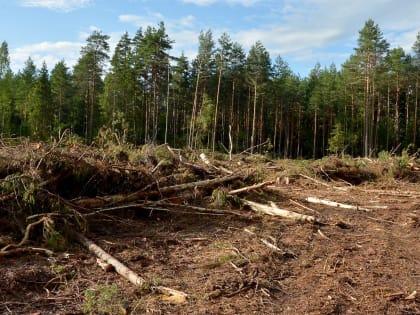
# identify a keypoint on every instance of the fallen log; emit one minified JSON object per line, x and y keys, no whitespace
{"x":123,"y":270}
{"x":334,"y":204}
{"x":275,"y":211}
{"x":119,"y":267}
{"x":140,"y":195}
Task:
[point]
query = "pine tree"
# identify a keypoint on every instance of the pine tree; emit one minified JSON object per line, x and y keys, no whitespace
{"x":88,"y":80}
{"x":41,"y":114}
{"x":222,"y":58}
{"x":258,"y":69}
{"x":6,"y":91}
{"x":416,"y":67}
{"x":203,"y":67}
{"x":181,"y":84}
{"x":371,"y":51}
{"x":25,"y":81}
{"x":118,"y":98}
{"x":61,"y":94}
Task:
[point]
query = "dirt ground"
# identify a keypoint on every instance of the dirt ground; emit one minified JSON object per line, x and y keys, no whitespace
{"x":352,"y":262}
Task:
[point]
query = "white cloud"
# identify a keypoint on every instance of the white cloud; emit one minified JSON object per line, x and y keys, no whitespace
{"x":327,"y":30}
{"x":245,"y":3}
{"x":57,"y":5}
{"x":179,"y":30}
{"x":50,"y":52}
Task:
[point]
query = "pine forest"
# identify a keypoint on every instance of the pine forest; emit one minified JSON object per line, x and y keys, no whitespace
{"x":225,"y":97}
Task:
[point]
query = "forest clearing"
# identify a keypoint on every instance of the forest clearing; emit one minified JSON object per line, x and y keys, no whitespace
{"x":205,"y":234}
{"x":162,"y":158}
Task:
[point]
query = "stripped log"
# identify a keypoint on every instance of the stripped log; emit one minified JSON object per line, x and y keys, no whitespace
{"x":334,"y":204}
{"x":276,"y":211}
{"x":123,"y":270}
{"x":120,"y":268}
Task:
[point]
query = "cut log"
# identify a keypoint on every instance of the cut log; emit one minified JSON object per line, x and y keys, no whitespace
{"x":124,"y":271}
{"x":275,"y":211}
{"x":249,"y":188}
{"x":334,"y":204}
{"x":119,"y":267}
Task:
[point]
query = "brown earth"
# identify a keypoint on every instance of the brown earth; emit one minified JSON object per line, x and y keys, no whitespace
{"x":353,"y":262}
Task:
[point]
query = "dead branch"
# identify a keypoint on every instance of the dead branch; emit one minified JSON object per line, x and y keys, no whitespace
{"x":21,"y":250}
{"x":206,"y":161}
{"x":303,"y":206}
{"x":201,"y":209}
{"x":269,"y":244}
{"x":25,"y":238}
{"x":254,"y":147}
{"x":123,"y":270}
{"x":249,"y":188}
{"x":322,"y":183}
{"x":275,"y":211}
{"x":140,"y":195}
{"x":334,"y":204}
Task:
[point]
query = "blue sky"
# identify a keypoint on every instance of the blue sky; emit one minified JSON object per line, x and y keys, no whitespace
{"x":302,"y":32}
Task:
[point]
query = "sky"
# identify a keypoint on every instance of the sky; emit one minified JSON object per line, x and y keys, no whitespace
{"x":302,"y":32}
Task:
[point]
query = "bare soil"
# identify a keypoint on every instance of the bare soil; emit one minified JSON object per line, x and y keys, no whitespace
{"x":354,"y":262}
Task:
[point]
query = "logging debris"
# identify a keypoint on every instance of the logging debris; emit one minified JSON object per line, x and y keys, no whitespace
{"x":177,"y":224}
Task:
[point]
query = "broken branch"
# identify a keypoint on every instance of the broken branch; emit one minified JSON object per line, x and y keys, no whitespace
{"x":249,"y":188}
{"x":139,"y":195}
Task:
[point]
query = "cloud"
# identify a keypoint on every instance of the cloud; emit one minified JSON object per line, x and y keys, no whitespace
{"x":327,"y":30}
{"x":57,"y":5}
{"x":245,"y":3}
{"x":182,"y":31}
{"x":50,"y":52}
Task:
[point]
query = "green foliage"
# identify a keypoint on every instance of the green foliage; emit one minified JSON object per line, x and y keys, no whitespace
{"x":102,"y":300}
{"x":61,"y":97}
{"x":149,"y":96}
{"x":22,"y":185}
{"x":219,"y":198}
{"x":55,"y":240}
{"x":205,"y":118}
{"x":384,"y":156}
{"x":41,"y":116}
{"x":336,"y":140}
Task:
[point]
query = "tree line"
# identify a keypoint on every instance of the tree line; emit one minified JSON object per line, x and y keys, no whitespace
{"x":224,"y":98}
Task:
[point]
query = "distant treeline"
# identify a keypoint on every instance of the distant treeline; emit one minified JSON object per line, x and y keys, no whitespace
{"x":148,"y":96}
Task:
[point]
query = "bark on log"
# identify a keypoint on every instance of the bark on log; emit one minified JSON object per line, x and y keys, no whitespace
{"x":140,"y":195}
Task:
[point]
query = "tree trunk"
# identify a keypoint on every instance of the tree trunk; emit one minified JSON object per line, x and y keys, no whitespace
{"x":167,"y":106}
{"x":416,"y":105}
{"x":213,"y":142}
{"x":276,"y":113}
{"x":397,"y":112}
{"x":194,"y":111}
{"x":315,"y":132}
{"x":254,"y":117}
{"x":388,"y":110}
